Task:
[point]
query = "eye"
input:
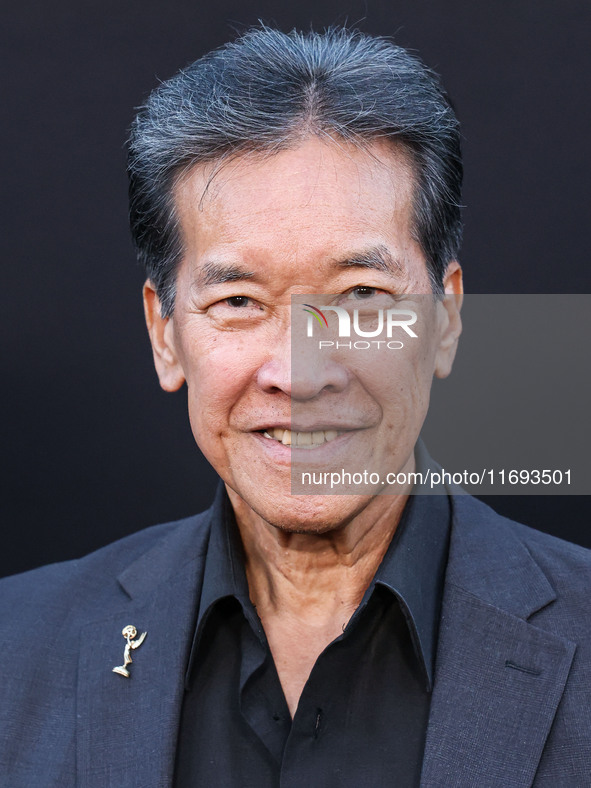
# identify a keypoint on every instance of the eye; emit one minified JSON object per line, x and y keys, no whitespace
{"x":362,"y":291}
{"x":368,"y":297}
{"x":238,"y":302}
{"x":236,"y":311}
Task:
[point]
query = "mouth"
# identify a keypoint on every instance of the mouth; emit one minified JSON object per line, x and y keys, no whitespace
{"x":300,"y":440}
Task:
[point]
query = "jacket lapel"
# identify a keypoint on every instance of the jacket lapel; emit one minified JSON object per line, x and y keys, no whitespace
{"x":498,"y":678}
{"x":127,"y":727}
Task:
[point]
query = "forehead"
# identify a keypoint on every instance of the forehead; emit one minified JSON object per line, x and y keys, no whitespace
{"x":314,"y":201}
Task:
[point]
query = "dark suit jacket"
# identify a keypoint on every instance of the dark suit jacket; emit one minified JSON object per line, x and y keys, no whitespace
{"x":511,"y":704}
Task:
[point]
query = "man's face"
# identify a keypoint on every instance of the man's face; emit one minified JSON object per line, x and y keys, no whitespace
{"x":306,"y":220}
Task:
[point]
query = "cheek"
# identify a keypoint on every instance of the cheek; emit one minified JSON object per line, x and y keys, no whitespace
{"x":218,"y":380}
{"x":399,"y":379}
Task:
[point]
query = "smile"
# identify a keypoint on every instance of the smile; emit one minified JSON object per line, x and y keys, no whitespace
{"x":300,"y":440}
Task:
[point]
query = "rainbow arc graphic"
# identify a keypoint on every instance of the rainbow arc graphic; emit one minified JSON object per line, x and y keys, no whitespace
{"x":315,"y":312}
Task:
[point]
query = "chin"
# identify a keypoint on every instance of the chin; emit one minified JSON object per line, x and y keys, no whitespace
{"x":310,"y":514}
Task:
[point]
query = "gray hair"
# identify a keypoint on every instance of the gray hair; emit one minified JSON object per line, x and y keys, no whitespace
{"x":266,"y":91}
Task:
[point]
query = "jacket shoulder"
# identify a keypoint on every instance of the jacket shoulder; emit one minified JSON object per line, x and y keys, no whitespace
{"x":555,"y":552}
{"x":552,"y":550}
{"x":510,"y":561}
{"x":567,"y":567}
{"x":56,"y":589}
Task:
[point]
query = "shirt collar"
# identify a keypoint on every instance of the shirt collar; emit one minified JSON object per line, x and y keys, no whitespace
{"x":413,"y":569}
{"x":224,"y":573}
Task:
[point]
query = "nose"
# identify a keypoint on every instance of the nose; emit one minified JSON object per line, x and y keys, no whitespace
{"x":297,"y":367}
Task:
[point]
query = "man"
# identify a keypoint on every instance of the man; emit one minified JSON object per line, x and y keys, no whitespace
{"x":313,"y":639}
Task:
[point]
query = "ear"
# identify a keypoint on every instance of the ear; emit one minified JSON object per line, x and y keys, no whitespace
{"x":451,"y":322}
{"x":161,"y":331}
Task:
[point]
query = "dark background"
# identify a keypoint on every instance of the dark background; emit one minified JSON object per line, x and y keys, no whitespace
{"x":92,"y":449}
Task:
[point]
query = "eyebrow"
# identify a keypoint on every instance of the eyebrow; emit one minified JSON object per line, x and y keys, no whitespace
{"x":218,"y":273}
{"x":378,"y":258}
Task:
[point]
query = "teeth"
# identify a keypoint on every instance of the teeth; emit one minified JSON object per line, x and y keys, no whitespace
{"x":301,"y":440}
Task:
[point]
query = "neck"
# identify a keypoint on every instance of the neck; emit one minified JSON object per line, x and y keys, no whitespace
{"x":316,"y":577}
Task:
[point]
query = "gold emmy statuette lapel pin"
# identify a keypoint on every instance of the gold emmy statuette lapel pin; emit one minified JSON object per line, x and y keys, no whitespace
{"x":129,"y":632}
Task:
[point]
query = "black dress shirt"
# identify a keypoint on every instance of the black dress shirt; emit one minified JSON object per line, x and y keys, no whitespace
{"x":362,"y":716}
